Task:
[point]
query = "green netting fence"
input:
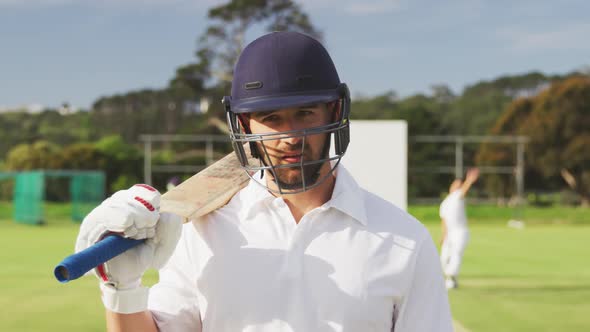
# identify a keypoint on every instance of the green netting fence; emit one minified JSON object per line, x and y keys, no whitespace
{"x":87,"y":189}
{"x":29,"y":194}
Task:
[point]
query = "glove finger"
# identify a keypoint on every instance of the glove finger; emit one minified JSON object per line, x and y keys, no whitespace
{"x":146,"y":219}
{"x":140,"y":213}
{"x":125,"y":270}
{"x":88,"y":229}
{"x":128,"y":213}
{"x":117,"y":219}
{"x":146,"y":254}
{"x":88,"y":237}
{"x":148,"y":194}
{"x":141,"y":233}
{"x":145,"y":198}
{"x":85,"y":228}
{"x":150,"y":232}
{"x":118,"y":200}
{"x":132,"y":232}
{"x":168,"y":232}
{"x":141,"y":205}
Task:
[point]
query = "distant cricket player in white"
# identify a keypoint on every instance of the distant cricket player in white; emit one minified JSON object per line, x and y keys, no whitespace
{"x":454,"y":227}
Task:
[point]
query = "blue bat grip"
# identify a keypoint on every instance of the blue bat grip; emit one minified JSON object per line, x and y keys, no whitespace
{"x":76,"y":265}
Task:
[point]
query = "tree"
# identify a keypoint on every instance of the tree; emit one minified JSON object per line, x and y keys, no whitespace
{"x":48,"y":125}
{"x":442,"y":93}
{"x":557,"y":122}
{"x":224,"y":39}
{"x":188,"y":80}
{"x":139,"y":112}
{"x":498,"y":155}
{"x":17,"y":128}
{"x":558,"y":129}
{"x":124,"y":162}
{"x":378,"y":107}
{"x":81,"y":156}
{"x":39,"y":155}
{"x":480,"y":105}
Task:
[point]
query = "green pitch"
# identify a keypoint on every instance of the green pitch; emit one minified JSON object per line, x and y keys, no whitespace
{"x":535,"y":279}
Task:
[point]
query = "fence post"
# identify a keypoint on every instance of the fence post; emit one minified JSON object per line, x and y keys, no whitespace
{"x":520,"y":170}
{"x":147,"y":161}
{"x":458,"y":157}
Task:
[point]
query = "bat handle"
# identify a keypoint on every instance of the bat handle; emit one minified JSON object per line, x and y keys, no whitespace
{"x":76,"y":265}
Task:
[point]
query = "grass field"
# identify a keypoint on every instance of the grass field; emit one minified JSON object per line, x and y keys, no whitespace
{"x":534,"y":279}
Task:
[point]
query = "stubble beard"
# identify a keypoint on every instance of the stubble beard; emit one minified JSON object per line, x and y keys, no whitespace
{"x":294,"y":178}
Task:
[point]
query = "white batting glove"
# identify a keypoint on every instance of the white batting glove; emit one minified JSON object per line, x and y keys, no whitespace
{"x":132,"y":213}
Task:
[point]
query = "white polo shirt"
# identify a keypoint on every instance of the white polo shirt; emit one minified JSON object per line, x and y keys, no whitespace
{"x":357,"y":263}
{"x":452,"y":210}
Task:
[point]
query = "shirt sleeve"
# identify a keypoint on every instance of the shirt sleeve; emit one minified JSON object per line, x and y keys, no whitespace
{"x":425,"y":307}
{"x":442,"y":212}
{"x":173,"y":300}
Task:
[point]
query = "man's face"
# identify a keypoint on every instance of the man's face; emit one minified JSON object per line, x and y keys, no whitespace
{"x":282,"y":150}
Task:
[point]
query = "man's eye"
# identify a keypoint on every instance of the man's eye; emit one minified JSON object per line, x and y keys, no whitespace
{"x":270,"y":118}
{"x":305,"y":112}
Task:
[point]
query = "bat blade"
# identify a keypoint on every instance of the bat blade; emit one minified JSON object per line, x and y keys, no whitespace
{"x":207,"y":190}
{"x":199,"y":195}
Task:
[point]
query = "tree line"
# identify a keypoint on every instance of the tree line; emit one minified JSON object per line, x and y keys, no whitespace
{"x":552,"y":110}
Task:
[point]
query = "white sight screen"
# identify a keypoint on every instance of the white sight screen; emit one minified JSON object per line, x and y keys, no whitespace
{"x":377,"y":157}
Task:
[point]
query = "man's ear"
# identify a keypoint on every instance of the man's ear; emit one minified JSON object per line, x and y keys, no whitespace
{"x":244,"y":120}
{"x":336,"y":108}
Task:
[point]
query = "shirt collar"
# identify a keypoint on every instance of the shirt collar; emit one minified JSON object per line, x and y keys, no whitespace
{"x":254,"y":195}
{"x":347,"y":196}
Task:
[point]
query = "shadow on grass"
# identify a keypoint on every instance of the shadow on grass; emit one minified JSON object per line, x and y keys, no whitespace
{"x":503,"y":284}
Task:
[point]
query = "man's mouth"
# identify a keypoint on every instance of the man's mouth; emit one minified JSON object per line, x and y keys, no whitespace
{"x":292,"y":158}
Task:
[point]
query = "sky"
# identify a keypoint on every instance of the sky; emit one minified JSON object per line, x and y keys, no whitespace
{"x":76,"y":51}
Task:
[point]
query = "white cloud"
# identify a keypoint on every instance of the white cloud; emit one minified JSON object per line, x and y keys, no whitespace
{"x":32,"y":3}
{"x":377,"y":52}
{"x":573,"y":36}
{"x":29,"y":108}
{"x":105,"y":3}
{"x":354,"y":7}
{"x":371,"y":7}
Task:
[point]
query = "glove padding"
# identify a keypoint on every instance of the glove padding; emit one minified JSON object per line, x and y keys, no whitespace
{"x":133,"y":213}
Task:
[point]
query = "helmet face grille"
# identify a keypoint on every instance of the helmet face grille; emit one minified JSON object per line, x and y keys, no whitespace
{"x":283,"y":69}
{"x":337,"y":133}
{"x":309,"y":169}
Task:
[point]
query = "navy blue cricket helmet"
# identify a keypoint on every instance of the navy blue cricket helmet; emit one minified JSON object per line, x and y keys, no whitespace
{"x":284,"y":70}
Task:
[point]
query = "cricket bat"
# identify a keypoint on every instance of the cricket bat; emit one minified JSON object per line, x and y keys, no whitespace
{"x":198,"y":196}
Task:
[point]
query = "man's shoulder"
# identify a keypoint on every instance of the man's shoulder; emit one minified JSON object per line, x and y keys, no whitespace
{"x":227,"y":213}
{"x":384,"y":216}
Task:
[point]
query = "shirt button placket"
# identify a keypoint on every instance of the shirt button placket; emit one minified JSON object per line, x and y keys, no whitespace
{"x":281,"y":219}
{"x":296,"y":248}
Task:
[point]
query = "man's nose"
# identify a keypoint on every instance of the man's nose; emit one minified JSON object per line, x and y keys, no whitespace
{"x":296,"y":138}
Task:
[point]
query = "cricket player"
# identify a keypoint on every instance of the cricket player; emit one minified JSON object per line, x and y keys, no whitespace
{"x":454,"y":227}
{"x":301,"y":248}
